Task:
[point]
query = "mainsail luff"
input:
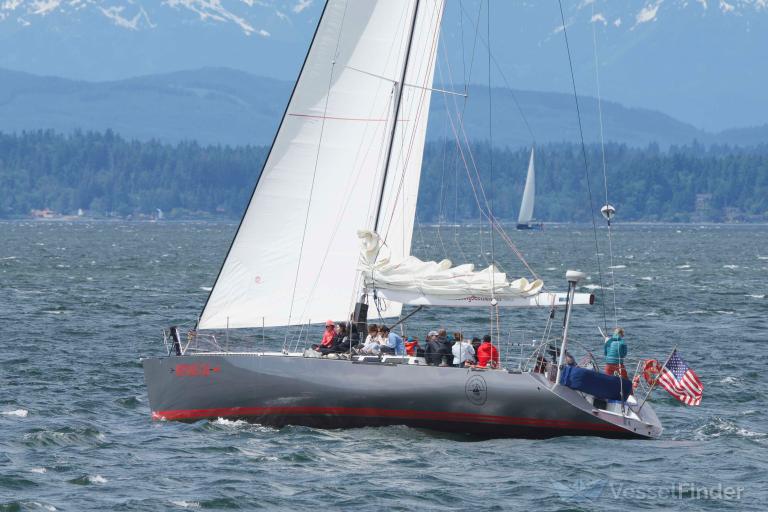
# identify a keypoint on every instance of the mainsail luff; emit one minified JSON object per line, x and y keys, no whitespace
{"x":324,"y":166}
{"x":529,"y":193}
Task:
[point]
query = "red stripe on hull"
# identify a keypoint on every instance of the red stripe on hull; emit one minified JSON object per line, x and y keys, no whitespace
{"x":370,"y":412}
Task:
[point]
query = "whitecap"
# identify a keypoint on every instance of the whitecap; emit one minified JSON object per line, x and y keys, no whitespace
{"x":683,"y":266}
{"x":97,"y":479}
{"x":551,"y":268}
{"x":186,"y":504}
{"x":728,"y":380}
{"x":731,"y":266}
{"x":697,"y":312}
{"x":44,"y":506}
{"x":19,"y":413}
{"x":206,"y":288}
{"x":762,"y":257}
{"x":38,"y":470}
{"x":14,"y":257}
{"x":224,"y":422}
{"x":647,"y":278}
{"x":756,"y":296}
{"x":591,"y":286}
{"x":618,"y":266}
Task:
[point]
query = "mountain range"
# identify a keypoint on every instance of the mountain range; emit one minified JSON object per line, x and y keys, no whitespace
{"x":226,"y":106}
{"x":700,"y":61}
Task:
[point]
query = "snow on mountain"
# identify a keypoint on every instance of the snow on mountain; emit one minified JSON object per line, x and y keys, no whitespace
{"x":246,"y":15}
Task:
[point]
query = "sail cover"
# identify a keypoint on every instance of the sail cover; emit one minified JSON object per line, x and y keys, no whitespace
{"x":438,"y":283}
{"x":294,"y":257}
{"x":529,"y":193}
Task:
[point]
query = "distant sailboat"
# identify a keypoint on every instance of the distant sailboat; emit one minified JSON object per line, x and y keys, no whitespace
{"x":529,"y":195}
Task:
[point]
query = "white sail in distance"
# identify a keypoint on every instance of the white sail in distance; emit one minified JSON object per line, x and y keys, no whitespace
{"x":529,"y":193}
{"x":294,"y":257}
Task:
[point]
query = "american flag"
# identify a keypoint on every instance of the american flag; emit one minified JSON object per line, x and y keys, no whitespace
{"x":680,"y":381}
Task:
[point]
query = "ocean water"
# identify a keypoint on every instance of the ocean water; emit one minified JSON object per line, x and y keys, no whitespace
{"x":80,"y":303}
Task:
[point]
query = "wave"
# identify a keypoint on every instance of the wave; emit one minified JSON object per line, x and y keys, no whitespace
{"x":721,"y":427}
{"x":19,"y":413}
{"x":64,"y":437}
{"x":186,"y":504}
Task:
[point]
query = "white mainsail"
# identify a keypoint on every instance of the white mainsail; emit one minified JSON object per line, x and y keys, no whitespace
{"x":529,"y":193}
{"x":294,"y":257}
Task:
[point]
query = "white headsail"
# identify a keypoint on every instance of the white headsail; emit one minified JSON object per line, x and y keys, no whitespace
{"x":294,"y":258}
{"x":529,"y":193}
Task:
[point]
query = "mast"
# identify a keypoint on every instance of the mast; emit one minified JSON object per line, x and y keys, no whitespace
{"x":400,"y":87}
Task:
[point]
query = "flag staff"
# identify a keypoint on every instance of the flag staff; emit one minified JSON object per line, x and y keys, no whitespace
{"x":656,"y":380}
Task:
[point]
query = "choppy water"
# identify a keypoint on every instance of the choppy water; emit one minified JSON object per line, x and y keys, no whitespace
{"x":80,"y":303}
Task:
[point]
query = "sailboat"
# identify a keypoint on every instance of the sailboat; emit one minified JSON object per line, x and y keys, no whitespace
{"x":327,"y":234}
{"x":529,"y":196}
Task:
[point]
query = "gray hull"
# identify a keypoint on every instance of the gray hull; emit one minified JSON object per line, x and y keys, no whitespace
{"x":282,"y":390}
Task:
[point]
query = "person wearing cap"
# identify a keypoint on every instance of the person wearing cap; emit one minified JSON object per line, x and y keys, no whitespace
{"x":432,"y":353}
{"x":412,"y":346}
{"x":328,"y":335}
{"x":487,"y":354}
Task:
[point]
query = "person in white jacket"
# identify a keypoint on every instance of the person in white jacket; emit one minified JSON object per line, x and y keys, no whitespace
{"x":463,"y":352}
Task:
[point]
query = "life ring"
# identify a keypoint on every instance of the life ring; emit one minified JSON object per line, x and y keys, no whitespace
{"x":651,"y":371}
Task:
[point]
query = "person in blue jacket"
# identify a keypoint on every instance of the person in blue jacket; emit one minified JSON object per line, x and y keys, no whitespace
{"x":393,"y":343}
{"x":615,"y":350}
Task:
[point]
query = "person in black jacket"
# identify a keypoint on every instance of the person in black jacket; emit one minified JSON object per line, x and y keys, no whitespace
{"x":342,"y":341}
{"x":432,"y":352}
{"x":446,"y":348}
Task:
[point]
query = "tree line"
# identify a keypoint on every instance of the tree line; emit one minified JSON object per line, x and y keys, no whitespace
{"x":105,"y":174}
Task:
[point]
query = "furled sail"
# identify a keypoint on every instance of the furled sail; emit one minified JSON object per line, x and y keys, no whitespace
{"x":294,"y":257}
{"x":407,"y":279}
{"x":529,"y":193}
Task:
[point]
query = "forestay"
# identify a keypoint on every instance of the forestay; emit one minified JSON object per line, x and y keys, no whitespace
{"x":294,"y":258}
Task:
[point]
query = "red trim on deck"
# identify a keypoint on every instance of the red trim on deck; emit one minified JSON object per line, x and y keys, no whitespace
{"x":372,"y":412}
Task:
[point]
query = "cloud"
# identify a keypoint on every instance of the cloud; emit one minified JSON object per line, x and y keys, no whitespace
{"x":301,"y":5}
{"x":648,"y":13}
{"x":263,"y":33}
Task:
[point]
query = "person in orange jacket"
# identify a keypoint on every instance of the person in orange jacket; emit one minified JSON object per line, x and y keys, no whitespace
{"x":487,"y":354}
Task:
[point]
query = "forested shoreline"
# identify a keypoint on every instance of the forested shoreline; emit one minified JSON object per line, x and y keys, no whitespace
{"x":105,"y":175}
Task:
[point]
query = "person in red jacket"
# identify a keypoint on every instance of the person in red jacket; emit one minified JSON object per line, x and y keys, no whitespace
{"x":487,"y":354}
{"x":328,"y":335}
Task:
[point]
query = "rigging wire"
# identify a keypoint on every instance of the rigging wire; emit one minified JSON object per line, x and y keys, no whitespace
{"x":490,"y":148}
{"x":586,"y":164}
{"x":494,"y":304}
{"x":504,"y":78}
{"x":605,"y":168}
